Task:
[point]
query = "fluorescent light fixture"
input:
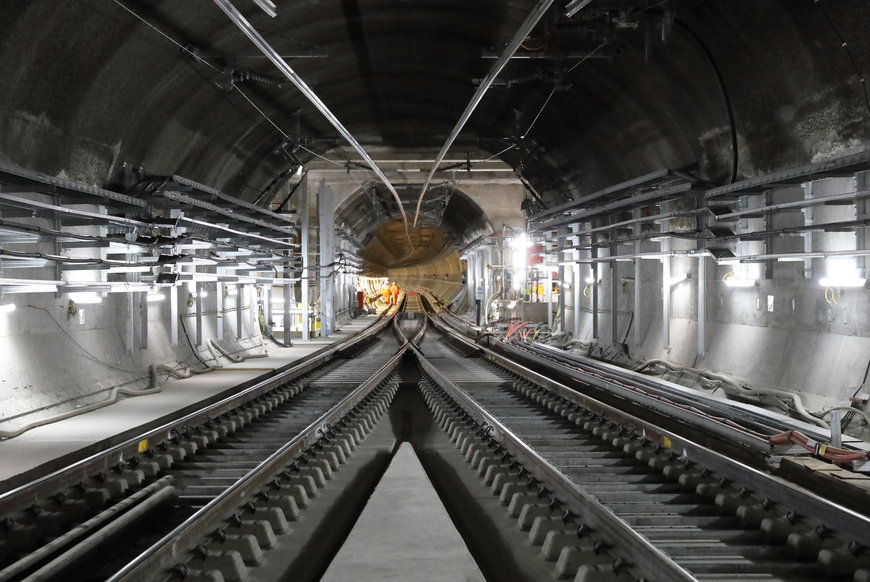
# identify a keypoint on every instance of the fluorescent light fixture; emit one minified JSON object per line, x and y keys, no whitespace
{"x":85,"y":298}
{"x":8,"y":308}
{"x":30,"y":289}
{"x":299,"y":170}
{"x":842,"y":282}
{"x":734,"y":282}
{"x":679,"y":279}
{"x":142,"y":269}
{"x":729,"y":261}
{"x":792,"y":259}
{"x":575,"y":6}
{"x":152,"y":297}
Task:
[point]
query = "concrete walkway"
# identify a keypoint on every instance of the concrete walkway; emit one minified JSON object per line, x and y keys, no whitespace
{"x":404,"y":533}
{"x":33,"y":452}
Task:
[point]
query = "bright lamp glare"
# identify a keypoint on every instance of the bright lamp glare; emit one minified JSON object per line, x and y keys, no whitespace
{"x":8,"y":308}
{"x":732,"y":282}
{"x":85,"y":298}
{"x":842,"y":282}
{"x":152,"y":297}
{"x":679,"y":279}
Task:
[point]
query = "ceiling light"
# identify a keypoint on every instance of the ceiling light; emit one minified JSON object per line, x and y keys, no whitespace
{"x":575,"y":6}
{"x":8,"y":308}
{"x":299,"y":170}
{"x":85,"y":298}
{"x":842,"y":282}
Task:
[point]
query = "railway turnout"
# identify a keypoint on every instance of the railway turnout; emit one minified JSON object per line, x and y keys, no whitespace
{"x":544,"y":471}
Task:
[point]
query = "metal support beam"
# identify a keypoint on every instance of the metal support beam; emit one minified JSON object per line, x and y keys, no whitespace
{"x":173,"y":314}
{"x":240,"y":298}
{"x":808,"y":236}
{"x":219,"y":299}
{"x":143,"y":314}
{"x":304,"y":284}
{"x":578,"y":290}
{"x":326,"y":217}
{"x":594,"y":288}
{"x":198,"y":306}
{"x":702,"y":305}
{"x":129,"y":323}
{"x":862,"y":212}
{"x":614,"y":297}
{"x":549,"y":292}
{"x":253,"y":308}
{"x":701,"y":226}
{"x":638,"y":281}
{"x":666,"y":301}
{"x":562,"y":286}
{"x":288,"y":303}
{"x":267,"y":305}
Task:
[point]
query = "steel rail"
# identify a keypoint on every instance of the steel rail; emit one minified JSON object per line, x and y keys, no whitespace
{"x":777,"y":489}
{"x":635,"y":549}
{"x":242,"y":23}
{"x":609,"y":379}
{"x":531,"y":20}
{"x":168,"y":551}
{"x":102,"y":461}
{"x":745,"y":413}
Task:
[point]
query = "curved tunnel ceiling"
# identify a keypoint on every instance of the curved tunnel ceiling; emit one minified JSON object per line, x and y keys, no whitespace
{"x":448,"y":219}
{"x":110,"y":91}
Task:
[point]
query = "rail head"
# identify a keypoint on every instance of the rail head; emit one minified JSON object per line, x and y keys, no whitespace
{"x":119,"y":454}
{"x":777,"y":489}
{"x":176,"y":546}
{"x":633,"y":548}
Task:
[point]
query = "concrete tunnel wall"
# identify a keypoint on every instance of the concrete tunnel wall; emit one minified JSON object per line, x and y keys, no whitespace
{"x":781,"y":79}
{"x":806,"y":342}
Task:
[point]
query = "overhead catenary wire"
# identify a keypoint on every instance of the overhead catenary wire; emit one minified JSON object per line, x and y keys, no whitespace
{"x":248,"y":30}
{"x":530,"y":22}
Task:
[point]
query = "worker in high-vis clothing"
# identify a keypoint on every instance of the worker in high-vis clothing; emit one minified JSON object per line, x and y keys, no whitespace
{"x":394,"y":294}
{"x":385,"y":293}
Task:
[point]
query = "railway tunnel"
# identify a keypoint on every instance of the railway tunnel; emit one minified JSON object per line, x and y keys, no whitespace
{"x":197,"y":198}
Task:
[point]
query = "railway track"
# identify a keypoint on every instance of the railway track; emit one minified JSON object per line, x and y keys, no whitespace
{"x":578,"y":488}
{"x":53,"y":524}
{"x":700,"y":515}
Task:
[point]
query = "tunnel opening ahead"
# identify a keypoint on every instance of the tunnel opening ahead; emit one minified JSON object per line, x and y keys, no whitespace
{"x":426,"y":255}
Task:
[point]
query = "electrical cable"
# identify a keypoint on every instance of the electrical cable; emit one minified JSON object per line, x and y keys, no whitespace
{"x":81,"y":347}
{"x":723,"y":89}
{"x":848,"y":52}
